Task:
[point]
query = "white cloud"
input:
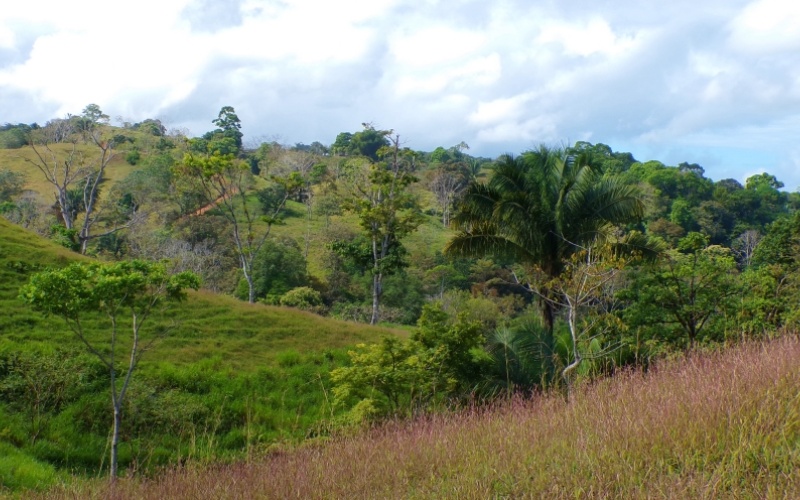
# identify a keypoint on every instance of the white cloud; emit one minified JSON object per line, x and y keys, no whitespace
{"x":499,"y":110}
{"x":594,"y":36}
{"x":501,"y":75}
{"x":765,"y":26}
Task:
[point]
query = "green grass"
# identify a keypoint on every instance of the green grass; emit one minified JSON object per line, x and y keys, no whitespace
{"x":247,"y":335}
{"x":228,"y":379}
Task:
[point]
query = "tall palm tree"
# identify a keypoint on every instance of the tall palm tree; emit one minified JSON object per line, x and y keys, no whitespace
{"x":539,"y":208}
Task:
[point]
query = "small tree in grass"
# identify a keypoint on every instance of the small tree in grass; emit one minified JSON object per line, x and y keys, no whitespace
{"x":126,"y":293}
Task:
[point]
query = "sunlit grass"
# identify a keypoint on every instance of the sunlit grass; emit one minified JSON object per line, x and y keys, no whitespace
{"x":713,"y":425}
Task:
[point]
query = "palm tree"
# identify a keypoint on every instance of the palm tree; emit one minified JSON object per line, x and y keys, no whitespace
{"x":539,"y":208}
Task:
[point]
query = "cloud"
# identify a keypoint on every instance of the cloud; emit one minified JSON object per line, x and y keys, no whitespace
{"x":766,"y":27}
{"x":682,"y":79}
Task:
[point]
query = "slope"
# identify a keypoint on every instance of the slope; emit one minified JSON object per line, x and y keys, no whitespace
{"x":247,"y":335}
{"x":228,"y":379}
{"x":711,"y":425}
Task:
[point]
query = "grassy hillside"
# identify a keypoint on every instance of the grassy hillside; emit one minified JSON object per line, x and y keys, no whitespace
{"x":717,"y":425}
{"x":248,"y":336}
{"x":16,"y":160}
{"x":228,"y":379}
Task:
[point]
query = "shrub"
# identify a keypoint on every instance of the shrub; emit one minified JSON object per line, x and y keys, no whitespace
{"x":302,"y":297}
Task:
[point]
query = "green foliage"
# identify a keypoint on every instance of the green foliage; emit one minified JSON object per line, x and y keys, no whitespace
{"x":94,"y":115}
{"x":687,"y":297}
{"x":452,"y":346}
{"x":390,"y":378}
{"x":16,"y":136}
{"x":540,"y":208}
{"x":40,"y":385}
{"x":11,"y":184}
{"x":278,"y":268}
{"x":79,"y":288}
{"x":133,"y":157}
{"x":151,"y":126}
{"x":368,"y":142}
{"x":227,"y":139}
{"x":402,"y":376}
{"x":67,"y":238}
{"x":780,"y":243}
{"x":302,"y":297}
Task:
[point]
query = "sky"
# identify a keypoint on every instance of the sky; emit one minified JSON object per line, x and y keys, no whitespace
{"x":713,"y":82}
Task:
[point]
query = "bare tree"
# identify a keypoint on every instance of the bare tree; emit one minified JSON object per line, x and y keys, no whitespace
{"x":446,"y":186}
{"x":745,"y":245}
{"x":70,"y":170}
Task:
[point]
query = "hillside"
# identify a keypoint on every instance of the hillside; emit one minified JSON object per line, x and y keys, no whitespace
{"x":248,"y":336}
{"x":716,"y":425}
{"x":228,"y":378}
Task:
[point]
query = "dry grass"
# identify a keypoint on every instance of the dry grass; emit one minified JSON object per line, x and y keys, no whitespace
{"x":18,"y":160}
{"x":714,"y":425}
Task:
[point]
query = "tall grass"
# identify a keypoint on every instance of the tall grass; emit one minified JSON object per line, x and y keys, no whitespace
{"x":712,"y":425}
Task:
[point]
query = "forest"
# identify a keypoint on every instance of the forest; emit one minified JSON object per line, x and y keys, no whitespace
{"x":283,"y":294}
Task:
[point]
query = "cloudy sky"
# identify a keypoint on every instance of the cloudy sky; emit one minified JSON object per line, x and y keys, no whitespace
{"x":714,"y":82}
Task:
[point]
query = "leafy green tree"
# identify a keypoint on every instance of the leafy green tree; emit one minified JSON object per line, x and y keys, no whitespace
{"x":126,"y":294}
{"x":278,"y":268}
{"x":224,"y":140}
{"x":303,"y":297}
{"x":687,"y":296}
{"x":16,"y":136}
{"x":386,"y":210}
{"x":94,"y":115}
{"x":341,"y":146}
{"x":539,"y":209}
{"x":229,"y":125}
{"x":453,"y":345}
{"x":602,"y":157}
{"x":369,"y":142}
{"x":400,"y":376}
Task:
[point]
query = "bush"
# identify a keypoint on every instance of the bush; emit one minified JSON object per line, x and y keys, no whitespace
{"x":133,"y":157}
{"x":302,"y":297}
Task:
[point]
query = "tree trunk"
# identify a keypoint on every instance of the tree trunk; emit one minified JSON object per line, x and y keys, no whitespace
{"x":376,"y":294}
{"x":251,"y":289}
{"x":115,"y":440}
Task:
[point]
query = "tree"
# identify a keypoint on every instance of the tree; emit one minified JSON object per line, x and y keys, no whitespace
{"x":686,"y":296}
{"x":126,"y":294}
{"x":386,"y":210}
{"x":745,"y":245}
{"x":539,"y":209}
{"x":229,"y":125}
{"x":586,"y":291}
{"x":400,"y":375}
{"x":225,"y":181}
{"x":94,"y":115}
{"x":278,"y":267}
{"x":369,"y":142}
{"x":11,"y":184}
{"x":77,"y":184}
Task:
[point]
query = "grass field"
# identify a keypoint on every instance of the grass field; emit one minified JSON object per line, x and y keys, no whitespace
{"x":722,"y":424}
